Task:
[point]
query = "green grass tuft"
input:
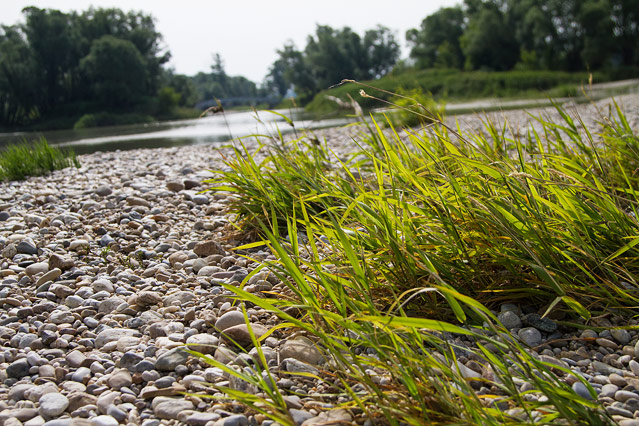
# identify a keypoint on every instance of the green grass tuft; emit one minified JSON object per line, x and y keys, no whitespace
{"x":18,"y":161}
{"x":393,"y":254}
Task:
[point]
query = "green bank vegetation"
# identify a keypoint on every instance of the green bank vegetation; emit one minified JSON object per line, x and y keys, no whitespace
{"x":390,"y":256}
{"x":551,"y":44}
{"x":18,"y":161}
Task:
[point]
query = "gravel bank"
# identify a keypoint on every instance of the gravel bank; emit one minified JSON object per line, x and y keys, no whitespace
{"x":108,"y":270}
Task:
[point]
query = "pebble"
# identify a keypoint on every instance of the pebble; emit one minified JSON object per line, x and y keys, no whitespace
{"x":52,"y":405}
{"x":509,"y":319}
{"x":229,"y":319}
{"x":171,"y":359}
{"x":301,"y":349}
{"x":530,"y":336}
{"x":170,"y":408}
{"x":235,"y":420}
{"x":581,"y":390}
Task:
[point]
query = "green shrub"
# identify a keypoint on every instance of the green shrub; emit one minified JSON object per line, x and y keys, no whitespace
{"x":17,"y":161}
{"x":102,"y":119}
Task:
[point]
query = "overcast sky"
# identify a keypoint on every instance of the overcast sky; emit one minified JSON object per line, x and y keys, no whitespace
{"x":246,"y":33}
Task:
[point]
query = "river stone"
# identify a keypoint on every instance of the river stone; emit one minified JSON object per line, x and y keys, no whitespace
{"x":530,"y":336}
{"x":18,"y":369}
{"x":52,"y":405}
{"x":79,"y":245}
{"x":302,"y":349}
{"x":200,"y":419}
{"x":112,"y":335}
{"x":120,"y":379}
{"x":181,"y":297}
{"x":27,"y":247}
{"x":229,"y":319}
{"x":509,"y":319}
{"x":178,"y":257}
{"x":174,"y":186}
{"x":79,"y":400}
{"x":9,"y":251}
{"x":104,"y":420}
{"x":294,"y":366}
{"x":332,"y":417}
{"x":171,"y":359}
{"x":241,"y":335}
{"x":110,"y":305}
{"x":299,"y":416}
{"x":52,"y":275}
{"x":103,"y":191}
{"x":208,"y":248}
{"x":36,"y":268}
{"x":200,"y":199}
{"x":170,"y":408}
{"x":148,"y":298}
{"x":620,"y":335}
{"x":61,"y":262}
{"x":581,"y":390}
{"x":75,"y":359}
{"x":203,"y":343}
{"x":541,"y":324}
{"x":102,"y":284}
{"x":16,"y":393}
{"x":137,"y":201}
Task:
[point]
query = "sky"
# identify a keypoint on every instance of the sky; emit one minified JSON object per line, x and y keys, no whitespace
{"x":246,"y":34}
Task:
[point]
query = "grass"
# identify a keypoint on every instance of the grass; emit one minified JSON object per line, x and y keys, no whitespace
{"x":394,"y":254}
{"x":18,"y":161}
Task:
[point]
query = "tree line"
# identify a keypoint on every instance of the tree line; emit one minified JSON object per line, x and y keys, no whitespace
{"x":59,"y":64}
{"x":500,"y":35}
{"x":69,"y":62}
{"x":490,"y":35}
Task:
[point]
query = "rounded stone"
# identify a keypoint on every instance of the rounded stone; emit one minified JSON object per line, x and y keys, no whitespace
{"x":202,"y":343}
{"x":509,"y":319}
{"x":52,"y":405}
{"x":229,"y":319}
{"x":530,"y":336}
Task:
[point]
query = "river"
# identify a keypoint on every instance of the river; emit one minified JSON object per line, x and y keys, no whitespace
{"x":214,"y":128}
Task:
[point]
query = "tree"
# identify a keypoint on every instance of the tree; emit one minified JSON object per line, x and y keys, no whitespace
{"x":136,"y":27}
{"x":18,"y":78}
{"x":55,"y":43}
{"x":332,"y":55}
{"x":116,"y":71}
{"x":487,"y":42}
{"x":436,"y":43}
{"x":382,"y":51}
{"x":625,"y":17}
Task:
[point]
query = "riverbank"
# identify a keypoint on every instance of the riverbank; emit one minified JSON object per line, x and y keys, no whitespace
{"x":108,"y":269}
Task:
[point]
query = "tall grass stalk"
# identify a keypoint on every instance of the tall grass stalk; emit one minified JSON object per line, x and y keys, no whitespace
{"x":414,"y":234}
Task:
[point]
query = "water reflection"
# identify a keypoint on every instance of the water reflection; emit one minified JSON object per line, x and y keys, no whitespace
{"x":217,"y":128}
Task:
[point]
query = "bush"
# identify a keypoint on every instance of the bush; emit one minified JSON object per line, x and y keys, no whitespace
{"x":18,"y":161}
{"x":102,"y":119}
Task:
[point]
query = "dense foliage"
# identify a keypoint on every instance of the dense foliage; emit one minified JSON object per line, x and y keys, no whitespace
{"x":497,"y":35}
{"x":66,"y":64}
{"x":331,"y":55}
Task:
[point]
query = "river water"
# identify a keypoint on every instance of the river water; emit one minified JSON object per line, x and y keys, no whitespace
{"x":216,"y":128}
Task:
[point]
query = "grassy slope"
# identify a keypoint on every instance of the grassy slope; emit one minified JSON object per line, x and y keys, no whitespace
{"x":457,"y":85}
